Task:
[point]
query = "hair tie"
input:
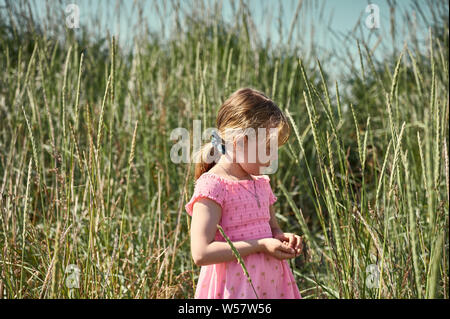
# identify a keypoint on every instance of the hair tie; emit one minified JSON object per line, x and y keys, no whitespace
{"x":217,"y":142}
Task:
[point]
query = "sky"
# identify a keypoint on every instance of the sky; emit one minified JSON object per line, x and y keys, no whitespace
{"x":323,"y":22}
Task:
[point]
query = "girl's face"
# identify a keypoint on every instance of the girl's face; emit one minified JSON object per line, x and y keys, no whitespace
{"x":256,"y":154}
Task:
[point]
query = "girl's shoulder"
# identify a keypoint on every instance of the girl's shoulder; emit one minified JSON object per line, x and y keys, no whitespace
{"x":210,"y":182}
{"x":265,"y":177}
{"x":207,"y":186}
{"x":211,"y":179}
{"x":221,"y":189}
{"x":226,"y":181}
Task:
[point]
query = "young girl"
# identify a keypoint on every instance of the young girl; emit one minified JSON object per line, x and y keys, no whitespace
{"x":235,"y":195}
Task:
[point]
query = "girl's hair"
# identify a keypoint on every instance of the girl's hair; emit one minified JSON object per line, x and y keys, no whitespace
{"x":245,"y":108}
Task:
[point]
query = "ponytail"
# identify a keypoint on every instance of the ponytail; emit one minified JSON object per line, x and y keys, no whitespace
{"x":206,"y":152}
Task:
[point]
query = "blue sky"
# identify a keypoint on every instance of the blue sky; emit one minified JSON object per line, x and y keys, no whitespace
{"x":319,"y":21}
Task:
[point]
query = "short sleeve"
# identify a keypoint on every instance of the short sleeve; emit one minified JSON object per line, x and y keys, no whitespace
{"x":272,"y":197}
{"x":206,"y":187}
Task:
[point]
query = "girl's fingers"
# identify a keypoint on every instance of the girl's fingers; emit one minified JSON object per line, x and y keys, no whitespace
{"x":292,"y":245}
{"x":292,"y":241}
{"x":286,"y":249}
{"x":283,"y":255}
{"x":299,"y":243}
{"x":282,"y":237}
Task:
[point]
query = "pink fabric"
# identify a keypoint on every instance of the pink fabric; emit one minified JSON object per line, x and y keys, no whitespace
{"x":242,"y":220}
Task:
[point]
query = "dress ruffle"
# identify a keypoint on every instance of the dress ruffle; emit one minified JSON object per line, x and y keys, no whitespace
{"x":206,"y":187}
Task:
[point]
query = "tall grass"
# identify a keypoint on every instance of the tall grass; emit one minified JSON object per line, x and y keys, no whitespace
{"x":86,"y":176}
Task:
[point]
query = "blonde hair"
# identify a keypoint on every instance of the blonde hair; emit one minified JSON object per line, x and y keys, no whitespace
{"x":245,"y":108}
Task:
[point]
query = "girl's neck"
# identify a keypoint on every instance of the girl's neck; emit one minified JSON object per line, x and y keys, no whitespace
{"x":233,"y":169}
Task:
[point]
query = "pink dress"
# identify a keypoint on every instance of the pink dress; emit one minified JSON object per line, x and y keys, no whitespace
{"x":242,"y":220}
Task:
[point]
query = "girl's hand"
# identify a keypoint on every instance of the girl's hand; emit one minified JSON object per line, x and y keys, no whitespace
{"x":277,"y":249}
{"x":291,"y":240}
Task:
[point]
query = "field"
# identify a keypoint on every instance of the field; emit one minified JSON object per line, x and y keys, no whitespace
{"x":91,"y":206}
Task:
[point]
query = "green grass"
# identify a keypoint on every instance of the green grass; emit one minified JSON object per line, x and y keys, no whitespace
{"x":86,"y":177}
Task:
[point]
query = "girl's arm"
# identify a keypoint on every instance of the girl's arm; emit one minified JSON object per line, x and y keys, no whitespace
{"x":294,"y":241}
{"x":273,"y":222}
{"x":205,"y":251}
{"x":205,"y":217}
